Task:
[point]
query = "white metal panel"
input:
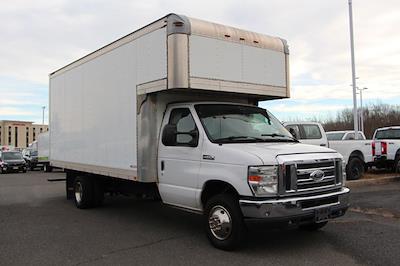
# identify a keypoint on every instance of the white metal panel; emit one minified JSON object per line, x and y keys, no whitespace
{"x":151,"y":61}
{"x":93,"y":105}
{"x":230,"y":61}
{"x":43,"y":145}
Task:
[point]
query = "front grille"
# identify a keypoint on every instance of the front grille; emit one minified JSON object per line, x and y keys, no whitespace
{"x":311,"y":175}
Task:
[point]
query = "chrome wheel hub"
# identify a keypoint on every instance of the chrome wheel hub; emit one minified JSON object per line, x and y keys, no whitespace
{"x":220,"y":222}
{"x":78,"y":192}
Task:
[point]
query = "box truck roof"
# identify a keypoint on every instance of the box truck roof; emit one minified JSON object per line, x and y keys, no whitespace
{"x":211,"y":56}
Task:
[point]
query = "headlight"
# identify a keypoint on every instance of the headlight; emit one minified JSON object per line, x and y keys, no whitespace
{"x":343,"y":172}
{"x":263,"y":180}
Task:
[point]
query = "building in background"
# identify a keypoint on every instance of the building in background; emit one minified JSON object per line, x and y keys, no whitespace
{"x":19,"y":134}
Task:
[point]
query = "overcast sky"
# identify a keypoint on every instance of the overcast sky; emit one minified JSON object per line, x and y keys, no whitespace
{"x":38,"y":37}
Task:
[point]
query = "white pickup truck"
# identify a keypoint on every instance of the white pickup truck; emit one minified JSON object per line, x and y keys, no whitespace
{"x":171,"y":111}
{"x":357,"y":154}
{"x":386,"y":148}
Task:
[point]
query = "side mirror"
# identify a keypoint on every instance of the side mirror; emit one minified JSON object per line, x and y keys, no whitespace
{"x":195,"y":138}
{"x":169,"y":135}
{"x":293,"y":132}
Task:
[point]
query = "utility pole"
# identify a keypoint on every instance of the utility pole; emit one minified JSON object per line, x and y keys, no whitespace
{"x":43,"y":107}
{"x":362,"y":111}
{"x":353,"y":71}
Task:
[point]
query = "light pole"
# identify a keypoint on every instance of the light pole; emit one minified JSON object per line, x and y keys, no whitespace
{"x":353,"y":71}
{"x":43,"y":107}
{"x":361,"y":107}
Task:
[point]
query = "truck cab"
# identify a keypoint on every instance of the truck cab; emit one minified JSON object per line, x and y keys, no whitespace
{"x":212,"y":154}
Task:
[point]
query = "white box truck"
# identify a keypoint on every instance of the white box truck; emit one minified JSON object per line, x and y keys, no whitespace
{"x":170,"y":110}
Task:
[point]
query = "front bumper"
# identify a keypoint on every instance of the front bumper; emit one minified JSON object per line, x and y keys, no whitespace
{"x":297,"y":208}
{"x":13,"y":168}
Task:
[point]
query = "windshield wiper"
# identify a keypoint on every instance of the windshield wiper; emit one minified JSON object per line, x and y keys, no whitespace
{"x":279,"y":135}
{"x":240,"y":137}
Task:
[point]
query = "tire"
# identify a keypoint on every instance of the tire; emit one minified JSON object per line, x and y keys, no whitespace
{"x":355,"y":168}
{"x":312,"y":226}
{"x":396,"y":166}
{"x":83,"y":192}
{"x":224,"y":207}
{"x":47,"y":168}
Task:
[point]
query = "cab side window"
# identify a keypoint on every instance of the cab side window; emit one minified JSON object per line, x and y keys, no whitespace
{"x":185,"y":126}
{"x":294,"y":130}
{"x":349,"y":136}
{"x":312,"y":132}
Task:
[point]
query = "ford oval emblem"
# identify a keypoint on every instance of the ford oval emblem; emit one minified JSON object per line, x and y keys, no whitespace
{"x":317,"y":175}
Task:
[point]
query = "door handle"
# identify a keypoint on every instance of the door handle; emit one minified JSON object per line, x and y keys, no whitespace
{"x":162,"y":165}
{"x":208,"y":157}
{"x":323,"y":145}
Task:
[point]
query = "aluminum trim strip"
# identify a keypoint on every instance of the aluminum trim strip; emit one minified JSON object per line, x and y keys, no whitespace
{"x":95,"y":169}
{"x":295,"y":199}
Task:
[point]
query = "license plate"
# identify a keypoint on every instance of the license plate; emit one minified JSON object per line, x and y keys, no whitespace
{"x":322,"y":215}
{"x":15,"y":167}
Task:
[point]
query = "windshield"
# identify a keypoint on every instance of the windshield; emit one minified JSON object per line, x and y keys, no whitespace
{"x":334,"y":136}
{"x":12,"y":156}
{"x":388,"y":134}
{"x":234,"y":123}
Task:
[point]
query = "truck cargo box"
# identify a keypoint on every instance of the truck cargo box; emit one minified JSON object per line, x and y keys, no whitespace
{"x":106,"y":108}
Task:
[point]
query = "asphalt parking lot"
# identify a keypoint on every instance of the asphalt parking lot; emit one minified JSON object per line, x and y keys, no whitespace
{"x":38,"y":226}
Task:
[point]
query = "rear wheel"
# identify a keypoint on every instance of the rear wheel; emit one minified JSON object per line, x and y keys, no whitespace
{"x":224,"y":222}
{"x":47,"y":168}
{"x":83,"y":192}
{"x":355,"y":168}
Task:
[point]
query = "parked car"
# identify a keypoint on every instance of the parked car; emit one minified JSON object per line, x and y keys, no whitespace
{"x":357,"y":154}
{"x":308,"y":132}
{"x":31,"y":158}
{"x":344,"y":135}
{"x":386,"y":148}
{"x":12,"y":161}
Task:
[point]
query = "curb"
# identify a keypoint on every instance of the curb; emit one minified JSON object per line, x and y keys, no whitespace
{"x":372,"y":181}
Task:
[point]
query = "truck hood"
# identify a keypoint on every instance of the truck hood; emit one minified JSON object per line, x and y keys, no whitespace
{"x":267,"y":152}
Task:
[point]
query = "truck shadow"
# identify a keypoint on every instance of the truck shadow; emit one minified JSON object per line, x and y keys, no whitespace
{"x":153,"y":215}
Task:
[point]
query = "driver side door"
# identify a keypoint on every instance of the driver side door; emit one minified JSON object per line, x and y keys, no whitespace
{"x":179,"y":163}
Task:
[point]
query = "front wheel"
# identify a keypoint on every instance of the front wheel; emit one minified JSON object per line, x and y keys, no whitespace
{"x":355,"y":168}
{"x":224,"y":222}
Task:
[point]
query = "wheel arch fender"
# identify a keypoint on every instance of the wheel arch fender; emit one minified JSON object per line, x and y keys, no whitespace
{"x":358,"y":154}
{"x":214,"y":187}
